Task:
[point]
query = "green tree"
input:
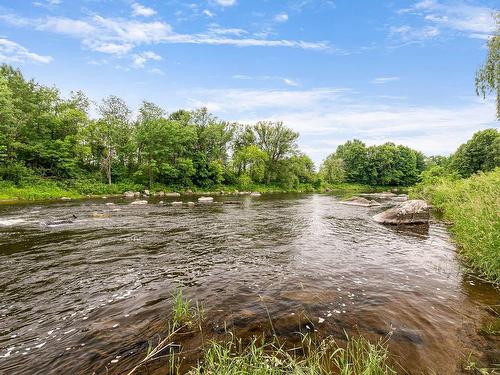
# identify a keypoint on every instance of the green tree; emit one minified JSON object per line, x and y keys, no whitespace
{"x":114,"y":129}
{"x":251,"y":160}
{"x":488,"y":76}
{"x":355,"y":157}
{"x":481,"y":153}
{"x":332,"y":170}
{"x":278,"y":142}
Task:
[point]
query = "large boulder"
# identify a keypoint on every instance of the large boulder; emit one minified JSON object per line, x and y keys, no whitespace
{"x":409,"y":212}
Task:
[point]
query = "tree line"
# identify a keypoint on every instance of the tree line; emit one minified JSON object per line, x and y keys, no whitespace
{"x":45,"y":136}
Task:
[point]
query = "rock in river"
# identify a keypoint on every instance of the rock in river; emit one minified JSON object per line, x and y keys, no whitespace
{"x":205,"y":199}
{"x":131,"y":194}
{"x":409,"y":212}
{"x":360,"y":201}
{"x":139,"y":202}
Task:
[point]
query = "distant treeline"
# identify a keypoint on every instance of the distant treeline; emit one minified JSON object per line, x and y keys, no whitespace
{"x":46,"y":137}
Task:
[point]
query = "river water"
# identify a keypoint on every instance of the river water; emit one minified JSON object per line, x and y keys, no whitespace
{"x":85,"y":284}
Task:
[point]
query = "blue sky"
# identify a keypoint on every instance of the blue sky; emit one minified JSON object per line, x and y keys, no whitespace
{"x":331,"y":69}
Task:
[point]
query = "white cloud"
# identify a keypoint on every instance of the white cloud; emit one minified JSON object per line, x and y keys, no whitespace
{"x":208,"y":13}
{"x":12,"y":52}
{"x":157,"y":71}
{"x":326,"y":117}
{"x":382,"y":80}
{"x":286,"y":81}
{"x":225,"y":3}
{"x":140,"y":59}
{"x":141,"y":10}
{"x":413,"y":34}
{"x":459,"y":17}
{"x":282,"y":17}
{"x":120,"y":36}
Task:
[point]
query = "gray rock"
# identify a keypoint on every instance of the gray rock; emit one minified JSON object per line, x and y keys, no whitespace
{"x":146,"y":193}
{"x":205,"y":199}
{"x":131,"y":194}
{"x":360,"y":201}
{"x":409,"y":212}
{"x":137,"y":203}
{"x":177,"y":203}
{"x":255,"y":194}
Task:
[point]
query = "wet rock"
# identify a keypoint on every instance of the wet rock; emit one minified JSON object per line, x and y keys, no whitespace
{"x":172,"y":195}
{"x":136,"y":203}
{"x":360,"y":201}
{"x":205,"y":199}
{"x":131,"y":194}
{"x":400,"y":198}
{"x":383,"y":195}
{"x":409,"y":212}
{"x":110,"y":204}
{"x":65,"y":199}
{"x":190,"y":204}
{"x":255,"y":194}
{"x":177,"y":203}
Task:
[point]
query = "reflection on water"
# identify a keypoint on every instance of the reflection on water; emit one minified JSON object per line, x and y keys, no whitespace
{"x":84,"y":285}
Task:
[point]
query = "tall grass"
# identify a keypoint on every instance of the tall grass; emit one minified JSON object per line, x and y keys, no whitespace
{"x":359,"y":357}
{"x":263,"y":356}
{"x":473,"y":207}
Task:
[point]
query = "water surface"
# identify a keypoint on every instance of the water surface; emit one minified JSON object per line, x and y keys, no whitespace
{"x":85,"y":285}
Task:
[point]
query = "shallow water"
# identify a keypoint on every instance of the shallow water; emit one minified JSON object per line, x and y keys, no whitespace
{"x":84,"y":285}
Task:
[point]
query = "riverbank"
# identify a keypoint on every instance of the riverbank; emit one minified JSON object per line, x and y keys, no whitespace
{"x":51,"y":190}
{"x":472,"y":206}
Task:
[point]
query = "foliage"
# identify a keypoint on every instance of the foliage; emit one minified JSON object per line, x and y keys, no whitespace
{"x":332,"y":170}
{"x":481,"y":153}
{"x":488,"y":76}
{"x":472,"y":205}
{"x":387,"y":164}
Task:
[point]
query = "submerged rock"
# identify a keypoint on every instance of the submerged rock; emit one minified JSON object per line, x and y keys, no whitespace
{"x":136,"y":203}
{"x":172,"y":195}
{"x":205,"y":199}
{"x":360,"y":201}
{"x":409,"y":212}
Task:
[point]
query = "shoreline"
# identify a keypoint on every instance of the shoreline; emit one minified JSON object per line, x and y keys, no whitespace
{"x":44,"y":193}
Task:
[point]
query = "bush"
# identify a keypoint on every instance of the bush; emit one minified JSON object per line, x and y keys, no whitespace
{"x":472,"y":205}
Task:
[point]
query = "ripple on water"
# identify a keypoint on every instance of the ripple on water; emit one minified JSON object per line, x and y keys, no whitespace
{"x":87,"y":293}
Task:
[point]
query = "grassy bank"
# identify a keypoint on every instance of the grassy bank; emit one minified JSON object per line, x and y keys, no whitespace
{"x":50,"y":189}
{"x":473,"y":207}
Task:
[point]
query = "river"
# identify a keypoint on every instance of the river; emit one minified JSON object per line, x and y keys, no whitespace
{"x":84,"y":284}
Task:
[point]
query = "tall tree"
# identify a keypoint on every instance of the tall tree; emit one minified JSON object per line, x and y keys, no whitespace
{"x":488,"y":76}
{"x":277,"y":141}
{"x":114,"y":127}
